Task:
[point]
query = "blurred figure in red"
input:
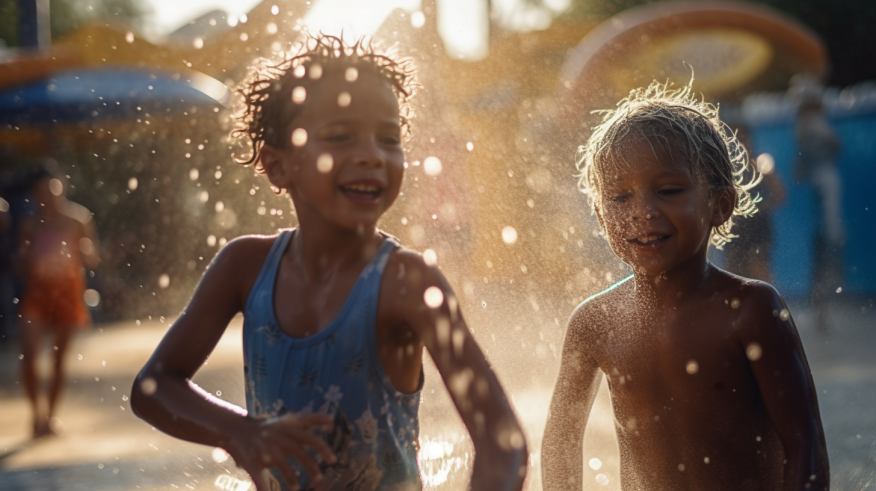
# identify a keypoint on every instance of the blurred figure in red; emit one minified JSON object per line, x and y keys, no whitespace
{"x":57,"y":244}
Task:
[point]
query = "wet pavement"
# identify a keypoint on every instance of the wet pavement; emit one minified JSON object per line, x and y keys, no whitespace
{"x":103,"y":446}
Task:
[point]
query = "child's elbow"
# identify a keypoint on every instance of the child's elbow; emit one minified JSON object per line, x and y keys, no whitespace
{"x":142,"y":390}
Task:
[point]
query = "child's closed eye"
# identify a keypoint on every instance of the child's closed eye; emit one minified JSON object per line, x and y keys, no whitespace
{"x":670,"y":191}
{"x":619,"y":198}
{"x":337,"y":137}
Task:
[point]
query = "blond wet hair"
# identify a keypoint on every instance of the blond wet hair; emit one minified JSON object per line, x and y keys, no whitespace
{"x":679,"y":122}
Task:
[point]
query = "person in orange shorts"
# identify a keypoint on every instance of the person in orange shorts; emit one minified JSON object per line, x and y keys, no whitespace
{"x":57,"y":245}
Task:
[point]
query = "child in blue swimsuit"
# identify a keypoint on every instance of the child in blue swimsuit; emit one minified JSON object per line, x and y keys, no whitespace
{"x":336,"y":313}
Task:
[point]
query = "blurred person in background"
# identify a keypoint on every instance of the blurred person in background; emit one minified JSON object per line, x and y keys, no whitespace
{"x":56,"y":245}
{"x":818,"y":148}
{"x":749,"y":254}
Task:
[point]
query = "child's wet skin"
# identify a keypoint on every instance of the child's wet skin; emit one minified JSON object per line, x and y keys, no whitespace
{"x":657,"y":212}
{"x":344,"y":162}
{"x":709,"y":384}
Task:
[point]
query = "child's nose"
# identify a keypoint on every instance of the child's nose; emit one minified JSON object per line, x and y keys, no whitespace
{"x":645,"y":210}
{"x":369,"y":154}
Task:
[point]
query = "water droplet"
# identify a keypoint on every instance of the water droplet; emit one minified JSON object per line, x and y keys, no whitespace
{"x":602,"y":479}
{"x":784,"y":314}
{"x":315,"y":71}
{"x":299,"y":137}
{"x":217,"y":175}
{"x":164,"y":281}
{"x":148,"y":386}
{"x":91,"y":297}
{"x":56,"y":187}
{"x":198,"y":43}
{"x":100,"y":466}
{"x":344,"y":99}
{"x":706,"y":460}
{"x":219,"y":206}
{"x":432,"y":166}
{"x":193,"y":174}
{"x":271,"y":28}
{"x":469,"y":146}
{"x":765,"y":163}
{"x":324,"y":163}
{"x":753,"y":351}
{"x":211,"y":240}
{"x":129,"y":37}
{"x":418,"y":19}
{"x":509,"y":235}
{"x":429,"y":257}
{"x":219,"y":455}
{"x":275,"y":10}
{"x":595,"y":464}
{"x":433,"y":296}
{"x":680,"y":467}
{"x":734,"y":304}
{"x":692,"y":367}
{"x":299,"y":94}
{"x":244,"y":36}
{"x":351,"y":74}
{"x":219,"y":393}
{"x":132,"y":183}
{"x":839,"y":290}
{"x":299,"y":71}
{"x":79,"y":357}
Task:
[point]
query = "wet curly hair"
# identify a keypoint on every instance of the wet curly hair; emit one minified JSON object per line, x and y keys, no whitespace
{"x":677,"y":121}
{"x":267,"y":106}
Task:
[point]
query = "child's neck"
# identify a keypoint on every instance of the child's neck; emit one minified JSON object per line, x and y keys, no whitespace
{"x":321,"y":251}
{"x":673,"y":287}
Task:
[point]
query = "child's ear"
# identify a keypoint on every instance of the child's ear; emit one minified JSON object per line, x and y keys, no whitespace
{"x":272,"y":161}
{"x":725,"y":203}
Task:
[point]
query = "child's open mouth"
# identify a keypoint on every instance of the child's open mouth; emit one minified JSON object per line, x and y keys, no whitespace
{"x":648,"y":240}
{"x":362,"y":193}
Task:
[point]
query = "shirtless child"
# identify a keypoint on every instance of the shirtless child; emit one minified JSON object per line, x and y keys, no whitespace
{"x":57,"y":244}
{"x":708,"y":380}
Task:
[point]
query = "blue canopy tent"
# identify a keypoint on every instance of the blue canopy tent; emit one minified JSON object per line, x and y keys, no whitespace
{"x":85,"y":94}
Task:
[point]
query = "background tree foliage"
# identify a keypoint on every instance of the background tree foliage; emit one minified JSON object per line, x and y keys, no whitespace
{"x":67,"y":15}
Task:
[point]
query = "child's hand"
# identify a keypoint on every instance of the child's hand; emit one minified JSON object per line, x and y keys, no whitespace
{"x":259,"y":445}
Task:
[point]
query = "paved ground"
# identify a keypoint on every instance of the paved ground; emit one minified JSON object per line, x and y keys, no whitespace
{"x":104,"y":447}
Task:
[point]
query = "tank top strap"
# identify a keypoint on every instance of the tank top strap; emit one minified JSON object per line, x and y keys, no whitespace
{"x":270,"y":267}
{"x":373,"y":273}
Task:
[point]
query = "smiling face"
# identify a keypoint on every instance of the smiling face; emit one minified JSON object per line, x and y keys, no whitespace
{"x":658,"y":215}
{"x":343,"y":165}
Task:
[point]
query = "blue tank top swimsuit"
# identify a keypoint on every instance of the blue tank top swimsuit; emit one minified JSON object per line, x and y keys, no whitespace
{"x":337,"y":372}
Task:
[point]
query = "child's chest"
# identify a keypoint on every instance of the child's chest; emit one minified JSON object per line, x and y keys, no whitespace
{"x":303,"y":308}
{"x":682,"y":355}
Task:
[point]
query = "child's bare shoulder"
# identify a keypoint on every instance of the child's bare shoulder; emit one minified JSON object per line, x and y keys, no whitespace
{"x":758,"y":302}
{"x":242,"y":258}
{"x":406,"y":269}
{"x":597,"y":314}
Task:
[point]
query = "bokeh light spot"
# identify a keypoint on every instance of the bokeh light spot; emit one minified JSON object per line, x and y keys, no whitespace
{"x":433,"y":296}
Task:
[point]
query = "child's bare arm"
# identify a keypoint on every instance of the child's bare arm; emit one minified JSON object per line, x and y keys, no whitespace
{"x":577,"y":384}
{"x":779,"y":364}
{"x":164,"y":395}
{"x":500,"y":448}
